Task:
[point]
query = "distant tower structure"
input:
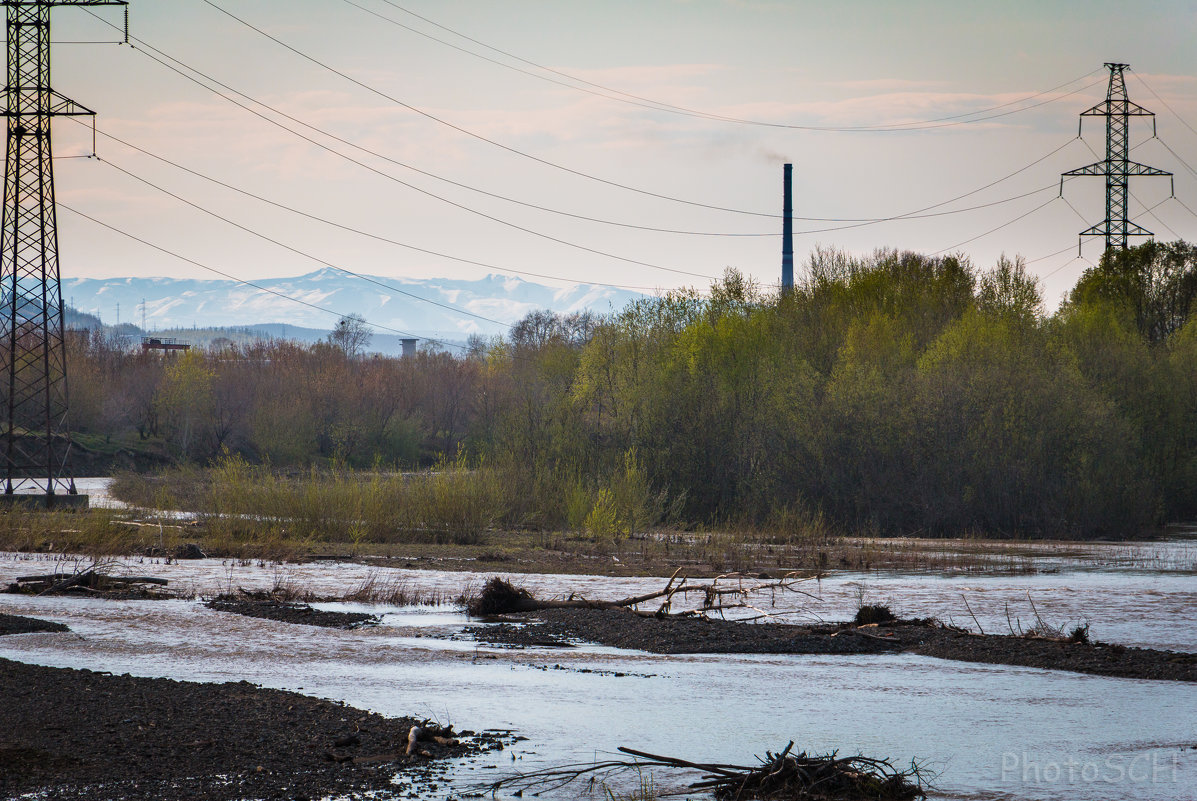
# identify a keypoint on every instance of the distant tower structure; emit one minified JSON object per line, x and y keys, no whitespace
{"x":36,"y":437}
{"x":787,"y":229}
{"x":1117,"y":166}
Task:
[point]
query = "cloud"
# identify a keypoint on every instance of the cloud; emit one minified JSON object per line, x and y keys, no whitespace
{"x":880,"y":84}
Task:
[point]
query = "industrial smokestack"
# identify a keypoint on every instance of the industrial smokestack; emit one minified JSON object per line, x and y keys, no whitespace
{"x":787,"y":232}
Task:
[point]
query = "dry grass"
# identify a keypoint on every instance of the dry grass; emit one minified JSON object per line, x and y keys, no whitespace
{"x":460,"y":519}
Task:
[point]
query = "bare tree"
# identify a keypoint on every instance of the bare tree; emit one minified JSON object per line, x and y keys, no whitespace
{"x":352,"y":335}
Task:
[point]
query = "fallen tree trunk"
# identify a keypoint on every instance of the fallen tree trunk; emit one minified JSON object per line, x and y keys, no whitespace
{"x":500,"y":597}
{"x":87,"y":580}
{"x":91,"y":575}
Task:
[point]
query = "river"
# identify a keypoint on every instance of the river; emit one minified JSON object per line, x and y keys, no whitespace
{"x":990,"y":732}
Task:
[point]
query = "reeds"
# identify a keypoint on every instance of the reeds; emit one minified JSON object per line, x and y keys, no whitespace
{"x":239,"y":502}
{"x":86,"y":532}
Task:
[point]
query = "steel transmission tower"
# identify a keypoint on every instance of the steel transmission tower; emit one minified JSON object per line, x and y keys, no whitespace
{"x":32,"y":349}
{"x":1117,"y":166}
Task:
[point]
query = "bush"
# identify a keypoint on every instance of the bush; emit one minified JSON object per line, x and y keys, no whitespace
{"x":874,"y":613}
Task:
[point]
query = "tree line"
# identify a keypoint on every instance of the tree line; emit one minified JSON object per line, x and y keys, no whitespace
{"x":893,"y":393}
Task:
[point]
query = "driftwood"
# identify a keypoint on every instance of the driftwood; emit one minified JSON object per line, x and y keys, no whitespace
{"x":422,"y":733}
{"x":88,"y":580}
{"x":499,"y":597}
{"x":800,"y":777}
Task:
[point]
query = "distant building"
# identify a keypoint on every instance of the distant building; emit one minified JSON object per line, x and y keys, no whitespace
{"x":409,"y":347}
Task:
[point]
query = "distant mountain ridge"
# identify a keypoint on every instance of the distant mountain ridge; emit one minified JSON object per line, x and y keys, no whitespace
{"x":187,"y":302}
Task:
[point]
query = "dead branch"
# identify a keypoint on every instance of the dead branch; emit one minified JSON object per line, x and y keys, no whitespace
{"x":802,"y":777}
{"x":970,"y":613}
{"x":87,"y":580}
{"x":499,"y":597}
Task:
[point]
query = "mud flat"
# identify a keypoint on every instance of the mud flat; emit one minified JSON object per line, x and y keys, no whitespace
{"x":621,"y":628}
{"x":76,"y":734}
{"x":17,"y":624}
{"x":288,"y":612}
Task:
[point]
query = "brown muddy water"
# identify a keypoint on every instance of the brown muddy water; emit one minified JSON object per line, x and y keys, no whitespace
{"x":991,"y":732}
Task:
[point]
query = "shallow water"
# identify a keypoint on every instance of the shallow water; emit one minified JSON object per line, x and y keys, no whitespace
{"x":992,"y":732}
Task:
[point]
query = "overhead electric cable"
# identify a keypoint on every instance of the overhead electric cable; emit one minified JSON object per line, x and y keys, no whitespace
{"x":917,"y":216}
{"x":297,"y":251}
{"x":1186,"y":164}
{"x":351,"y":229}
{"x":146,"y":49}
{"x":426,"y":192}
{"x":657,"y":105}
{"x":468,"y":132}
{"x":1050,"y":255}
{"x":998,"y":228}
{"x":259,"y":287}
{"x":1150,"y":212}
{"x":865,"y":220}
{"x":1141,"y":80}
{"x":1065,"y":264}
{"x":1186,"y":205}
{"x":1080,"y":216}
{"x":388,"y":240}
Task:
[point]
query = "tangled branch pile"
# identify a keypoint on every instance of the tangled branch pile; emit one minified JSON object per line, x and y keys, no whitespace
{"x":720,"y":594}
{"x":786,"y":776}
{"x":780,"y":777}
{"x":90,"y":582}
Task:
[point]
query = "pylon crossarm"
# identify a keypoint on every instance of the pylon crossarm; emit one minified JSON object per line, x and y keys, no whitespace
{"x":1135,"y":168}
{"x":64,"y":3}
{"x":36,"y":431}
{"x":1125,"y":108}
{"x":1097,"y":168}
{"x":62,"y":106}
{"x":1117,"y":168}
{"x":1101,"y":229}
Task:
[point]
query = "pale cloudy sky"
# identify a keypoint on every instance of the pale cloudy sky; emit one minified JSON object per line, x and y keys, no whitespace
{"x":818,"y":65}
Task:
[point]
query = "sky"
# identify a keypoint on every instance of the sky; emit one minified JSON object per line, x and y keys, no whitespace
{"x":533,"y":138}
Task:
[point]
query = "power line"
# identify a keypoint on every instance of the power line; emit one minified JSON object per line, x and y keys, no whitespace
{"x":297,"y":251}
{"x":1163,"y":101}
{"x":916,"y":214}
{"x":351,"y":229}
{"x":413,"y":187}
{"x":146,"y":49}
{"x":856,"y":222}
{"x":472,"y":134}
{"x":1075,"y":211}
{"x":657,"y":105}
{"x":1186,"y":205}
{"x":1151,"y":212}
{"x":998,"y":228}
{"x":259,"y":287}
{"x":1050,"y":255}
{"x":388,"y":240}
{"x":1186,"y":164}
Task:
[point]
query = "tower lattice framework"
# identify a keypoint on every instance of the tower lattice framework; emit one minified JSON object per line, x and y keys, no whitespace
{"x":1117,"y":167}
{"x":32,"y":348}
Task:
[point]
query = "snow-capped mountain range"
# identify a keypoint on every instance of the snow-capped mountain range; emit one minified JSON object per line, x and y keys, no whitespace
{"x":426,"y":308}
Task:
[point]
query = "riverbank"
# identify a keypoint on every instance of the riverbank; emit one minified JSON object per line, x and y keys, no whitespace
{"x":131,"y":518}
{"x":77,"y":734}
{"x":621,"y":628}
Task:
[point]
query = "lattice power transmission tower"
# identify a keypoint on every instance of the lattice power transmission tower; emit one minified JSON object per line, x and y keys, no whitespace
{"x":32,"y":349}
{"x":1117,"y":166}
